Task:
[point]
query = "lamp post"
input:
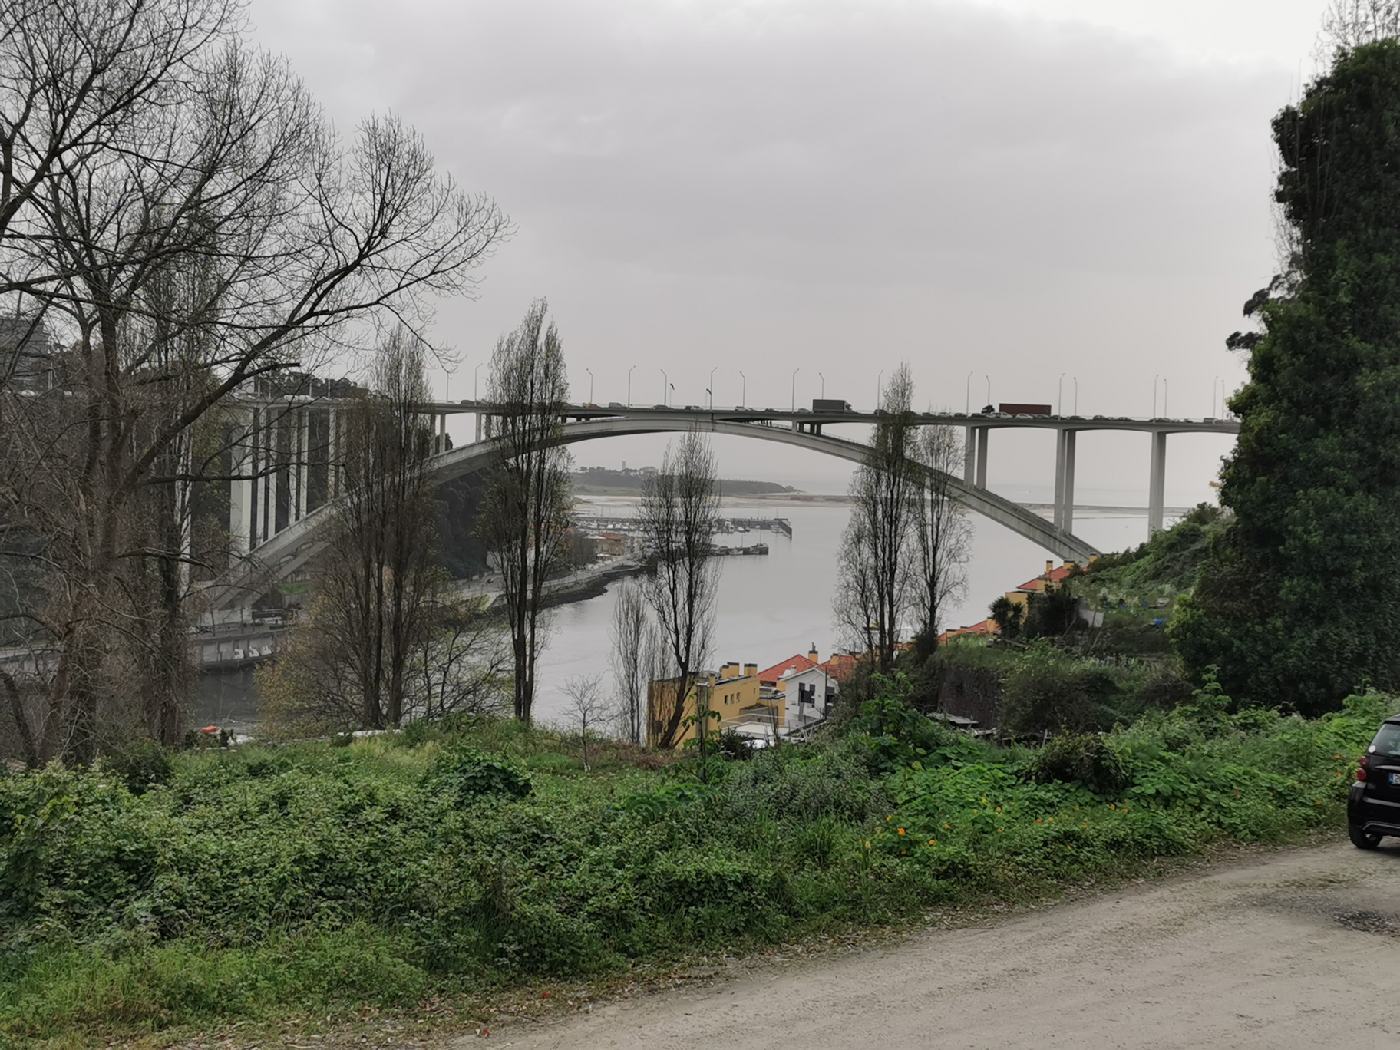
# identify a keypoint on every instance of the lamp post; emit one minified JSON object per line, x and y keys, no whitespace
{"x":1076,"y":394}
{"x":967,"y":404}
{"x":1164,"y":396}
{"x":743,"y":390}
{"x":475,"y":372}
{"x":879,"y":387}
{"x":823,"y":379}
{"x":794,"y":388}
{"x":711,"y":388}
{"x":989,"y":387}
{"x":590,"y":384}
{"x":1155,"y":380}
{"x":1060,"y":395}
{"x":629,"y":385}
{"x":665,"y":387}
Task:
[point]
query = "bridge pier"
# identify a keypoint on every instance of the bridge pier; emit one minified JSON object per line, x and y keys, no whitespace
{"x":1156,"y":491}
{"x":1064,"y":479}
{"x":969,"y":454}
{"x":302,"y":464}
{"x":983,"y":433}
{"x":240,"y":497}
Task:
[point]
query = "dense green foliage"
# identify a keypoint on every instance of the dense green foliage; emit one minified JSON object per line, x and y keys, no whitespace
{"x":258,"y":881}
{"x":1300,"y":602}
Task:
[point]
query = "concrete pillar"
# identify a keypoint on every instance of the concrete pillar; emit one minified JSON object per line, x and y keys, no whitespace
{"x":969,"y":454}
{"x":1157,"y":484}
{"x":478,"y":427}
{"x":269,"y":475}
{"x":983,"y":433}
{"x":1067,"y":515}
{"x":1060,"y":477}
{"x":303,"y":465}
{"x":332,"y":450}
{"x":240,"y":497}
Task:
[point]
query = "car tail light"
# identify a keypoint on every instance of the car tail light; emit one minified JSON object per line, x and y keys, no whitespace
{"x":1362,"y":766}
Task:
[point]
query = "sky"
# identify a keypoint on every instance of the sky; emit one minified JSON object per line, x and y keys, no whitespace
{"x":1006,"y":190}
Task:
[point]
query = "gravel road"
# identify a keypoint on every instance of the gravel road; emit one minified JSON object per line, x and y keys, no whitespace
{"x":1296,"y":949}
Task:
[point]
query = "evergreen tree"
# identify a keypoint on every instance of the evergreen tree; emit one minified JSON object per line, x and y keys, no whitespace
{"x":1299,"y":600}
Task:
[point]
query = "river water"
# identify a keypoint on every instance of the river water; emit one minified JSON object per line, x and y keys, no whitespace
{"x":769,"y":607}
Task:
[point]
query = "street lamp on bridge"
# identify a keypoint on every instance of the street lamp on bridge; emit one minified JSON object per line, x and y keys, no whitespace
{"x":743,"y":391}
{"x":590,"y":384}
{"x":711,"y":388}
{"x":823,"y":379}
{"x":989,"y":387}
{"x":629,"y":385}
{"x":475,"y":372}
{"x":1060,"y":395}
{"x":665,"y":387}
{"x":967,"y":404}
{"x":794,"y":388}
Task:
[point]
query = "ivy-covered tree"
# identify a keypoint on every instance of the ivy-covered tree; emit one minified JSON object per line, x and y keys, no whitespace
{"x":1299,"y":600}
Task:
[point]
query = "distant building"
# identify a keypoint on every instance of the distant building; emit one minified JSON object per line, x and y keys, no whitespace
{"x":733,"y":697}
{"x":30,"y":360}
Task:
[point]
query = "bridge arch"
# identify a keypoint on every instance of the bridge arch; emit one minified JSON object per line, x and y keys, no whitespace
{"x":287,"y":551}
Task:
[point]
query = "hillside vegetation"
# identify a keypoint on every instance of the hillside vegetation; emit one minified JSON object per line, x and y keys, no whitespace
{"x":207,"y":887}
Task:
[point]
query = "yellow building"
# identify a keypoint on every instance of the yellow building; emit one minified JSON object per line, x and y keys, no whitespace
{"x":1050,"y":580}
{"x":733,"y":693}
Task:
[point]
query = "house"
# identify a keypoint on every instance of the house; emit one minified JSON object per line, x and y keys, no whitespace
{"x":733,"y":696}
{"x":807,"y":687}
{"x":1052,"y":579}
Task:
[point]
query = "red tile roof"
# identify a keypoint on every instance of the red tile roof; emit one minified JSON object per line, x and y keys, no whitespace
{"x":1058,"y":575}
{"x":984,"y":627}
{"x":841,"y":666}
{"x":792,"y":663}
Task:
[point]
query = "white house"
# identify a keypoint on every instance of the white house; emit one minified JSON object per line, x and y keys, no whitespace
{"x":809,"y":693}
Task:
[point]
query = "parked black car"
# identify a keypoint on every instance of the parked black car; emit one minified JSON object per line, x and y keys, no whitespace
{"x":1373,"y":806}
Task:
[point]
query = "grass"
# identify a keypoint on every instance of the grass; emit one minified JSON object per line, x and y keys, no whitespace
{"x":261,"y":883}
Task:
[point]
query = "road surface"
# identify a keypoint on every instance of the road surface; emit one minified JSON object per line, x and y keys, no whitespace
{"x":1294,"y":949}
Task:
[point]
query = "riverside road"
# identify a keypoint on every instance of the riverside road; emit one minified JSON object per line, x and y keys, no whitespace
{"x":1294,"y":949}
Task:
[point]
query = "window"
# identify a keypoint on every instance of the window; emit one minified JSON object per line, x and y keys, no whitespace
{"x":1387,"y":741}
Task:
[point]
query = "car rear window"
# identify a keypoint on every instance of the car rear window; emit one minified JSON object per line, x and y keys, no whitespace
{"x":1387,"y":741}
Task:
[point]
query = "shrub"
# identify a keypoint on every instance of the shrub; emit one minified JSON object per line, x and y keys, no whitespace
{"x":465,"y":774}
{"x":1080,"y":758}
{"x":141,"y":764}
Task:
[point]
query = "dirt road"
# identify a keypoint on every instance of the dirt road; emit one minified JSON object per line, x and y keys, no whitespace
{"x":1295,"y":949}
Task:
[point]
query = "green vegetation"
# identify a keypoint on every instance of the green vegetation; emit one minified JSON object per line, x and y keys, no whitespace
{"x":261,"y":882}
{"x":1301,"y":598}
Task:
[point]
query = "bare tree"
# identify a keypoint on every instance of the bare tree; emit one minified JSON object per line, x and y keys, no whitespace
{"x":941,"y":527}
{"x":629,"y":660}
{"x":379,"y":572}
{"x":1350,"y":23}
{"x":526,"y":509}
{"x":680,"y":506}
{"x":587,"y":707}
{"x":189,"y":224}
{"x":873,"y":583}
{"x":461,"y":661}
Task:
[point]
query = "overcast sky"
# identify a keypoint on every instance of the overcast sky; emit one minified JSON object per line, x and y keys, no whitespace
{"x":1016,"y":188}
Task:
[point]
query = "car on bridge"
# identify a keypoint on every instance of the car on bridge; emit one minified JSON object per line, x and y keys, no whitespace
{"x":1373,"y":804}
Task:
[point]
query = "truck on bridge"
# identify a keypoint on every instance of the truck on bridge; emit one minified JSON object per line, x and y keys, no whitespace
{"x":1023,"y":408}
{"x":830,"y":404}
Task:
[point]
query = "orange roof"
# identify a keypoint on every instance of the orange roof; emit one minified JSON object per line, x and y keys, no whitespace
{"x":792,"y":663}
{"x":841,"y":666}
{"x":1058,"y":575}
{"x":984,"y":627}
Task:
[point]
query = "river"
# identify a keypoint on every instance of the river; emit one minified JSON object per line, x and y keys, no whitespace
{"x":769,"y":607}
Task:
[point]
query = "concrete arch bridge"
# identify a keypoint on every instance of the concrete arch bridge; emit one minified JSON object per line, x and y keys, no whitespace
{"x":284,"y":552}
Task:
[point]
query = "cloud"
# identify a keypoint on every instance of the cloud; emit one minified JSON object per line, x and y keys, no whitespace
{"x":836,"y":186}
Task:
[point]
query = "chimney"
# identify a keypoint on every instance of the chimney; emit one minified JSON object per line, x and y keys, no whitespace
{"x":812,"y":653}
{"x":750,"y":670}
{"x":1049,"y":566}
